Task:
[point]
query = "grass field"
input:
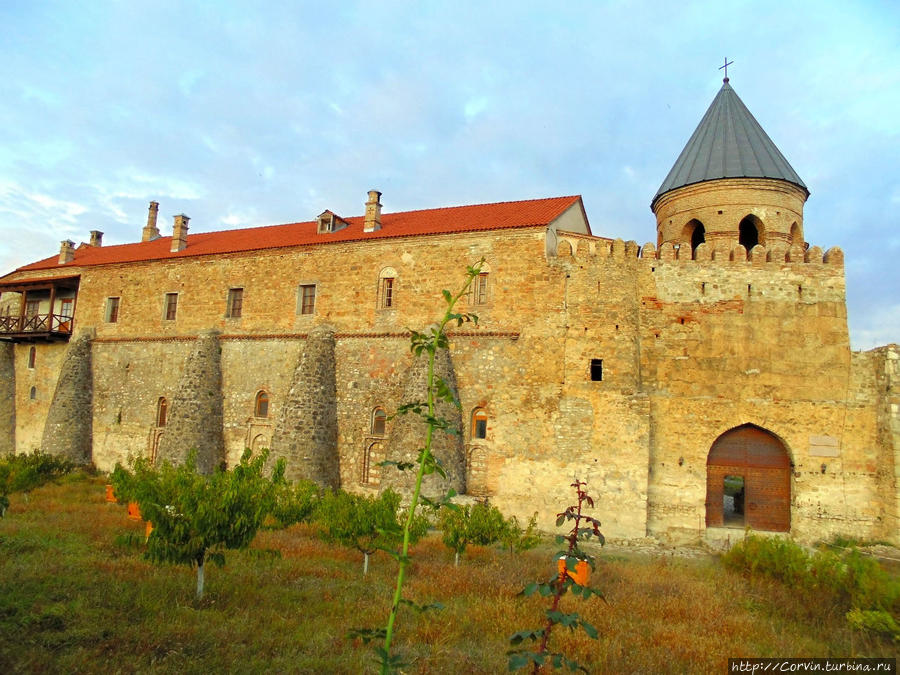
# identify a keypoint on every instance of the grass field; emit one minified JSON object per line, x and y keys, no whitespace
{"x":75,"y":597}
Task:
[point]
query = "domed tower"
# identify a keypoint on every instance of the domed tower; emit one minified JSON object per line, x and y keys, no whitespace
{"x":730,"y":186}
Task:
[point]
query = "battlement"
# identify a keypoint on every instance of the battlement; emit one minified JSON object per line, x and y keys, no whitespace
{"x":580,"y":246}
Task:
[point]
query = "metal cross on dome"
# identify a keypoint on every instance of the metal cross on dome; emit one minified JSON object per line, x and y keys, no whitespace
{"x":727,"y":63}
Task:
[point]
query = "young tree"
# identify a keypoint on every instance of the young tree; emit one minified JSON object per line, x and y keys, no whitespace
{"x":365,"y":523}
{"x":196,"y":517}
{"x":479,"y":523}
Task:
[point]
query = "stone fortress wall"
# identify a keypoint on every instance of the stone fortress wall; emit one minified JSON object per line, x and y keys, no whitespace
{"x":690,"y":348}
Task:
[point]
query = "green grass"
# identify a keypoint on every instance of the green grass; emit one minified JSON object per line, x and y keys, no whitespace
{"x":72,"y":599}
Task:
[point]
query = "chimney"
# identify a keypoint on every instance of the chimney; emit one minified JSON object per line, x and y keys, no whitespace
{"x":66,"y":251}
{"x":96,"y":238}
{"x":373,"y":212}
{"x":179,"y":233}
{"x":150,"y":231}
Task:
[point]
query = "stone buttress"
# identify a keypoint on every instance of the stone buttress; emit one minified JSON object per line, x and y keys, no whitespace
{"x":408,"y":434}
{"x":195,"y":417}
{"x":68,"y":429}
{"x":7,"y":400}
{"x":305,"y":434}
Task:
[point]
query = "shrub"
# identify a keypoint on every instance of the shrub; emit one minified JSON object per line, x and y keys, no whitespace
{"x":23,"y":473}
{"x":292,"y":503}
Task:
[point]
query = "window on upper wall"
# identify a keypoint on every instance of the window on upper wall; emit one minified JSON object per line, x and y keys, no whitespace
{"x":32,"y":355}
{"x":479,"y":423}
{"x":480,"y":289}
{"x":379,"y":422}
{"x":261,"y":407}
{"x":235,"y":303}
{"x":387,"y":288}
{"x":171,"y":306}
{"x":306,"y":299}
{"x":596,"y":370}
{"x":162,"y":411}
{"x":112,"y":310}
{"x":32,"y":307}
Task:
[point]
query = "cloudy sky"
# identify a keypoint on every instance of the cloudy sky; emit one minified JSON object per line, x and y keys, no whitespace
{"x":259,"y":113}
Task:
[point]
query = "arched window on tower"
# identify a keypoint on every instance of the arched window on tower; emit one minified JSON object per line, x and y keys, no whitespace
{"x":751,"y":232}
{"x":162,"y":411}
{"x":479,"y":424}
{"x":379,"y":422}
{"x":261,"y":405}
{"x":796,"y":235}
{"x":695,"y":233}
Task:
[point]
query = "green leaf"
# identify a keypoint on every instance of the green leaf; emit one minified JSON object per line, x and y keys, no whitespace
{"x":589,"y":629}
{"x":530,"y":589}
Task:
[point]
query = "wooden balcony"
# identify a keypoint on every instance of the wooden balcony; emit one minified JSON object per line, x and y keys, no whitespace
{"x":35,"y":328}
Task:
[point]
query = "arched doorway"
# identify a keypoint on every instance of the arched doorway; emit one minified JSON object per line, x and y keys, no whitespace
{"x":748,"y":481}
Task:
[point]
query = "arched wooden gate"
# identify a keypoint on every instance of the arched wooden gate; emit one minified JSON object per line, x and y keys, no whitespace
{"x":761,"y":461}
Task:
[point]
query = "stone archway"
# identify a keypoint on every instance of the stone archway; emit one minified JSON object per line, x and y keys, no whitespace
{"x":756,"y":460}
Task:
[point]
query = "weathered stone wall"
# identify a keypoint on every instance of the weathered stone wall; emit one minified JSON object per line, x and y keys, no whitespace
{"x":67,"y":431}
{"x":195,"y":419}
{"x":7,"y":399}
{"x":689,"y":350}
{"x":408,"y":434}
{"x":305,"y":435}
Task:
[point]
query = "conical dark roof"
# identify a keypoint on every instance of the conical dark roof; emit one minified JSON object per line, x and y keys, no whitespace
{"x":728,"y":143}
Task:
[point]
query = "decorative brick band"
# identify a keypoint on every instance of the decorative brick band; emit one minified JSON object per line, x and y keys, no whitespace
{"x":511,"y":335}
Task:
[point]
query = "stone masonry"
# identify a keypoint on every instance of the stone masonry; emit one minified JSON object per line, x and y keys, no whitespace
{"x":306,"y":432}
{"x":67,"y":431}
{"x":195,"y":411}
{"x":7,"y":400}
{"x":408,"y":435}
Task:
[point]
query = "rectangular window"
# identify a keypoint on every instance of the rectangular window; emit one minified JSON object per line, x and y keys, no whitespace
{"x":171,"y":306}
{"x":112,"y":310}
{"x":307,"y":299}
{"x":235,"y":302}
{"x":596,"y":370}
{"x":480,"y":289}
{"x":32,"y":307}
{"x":386,"y":293}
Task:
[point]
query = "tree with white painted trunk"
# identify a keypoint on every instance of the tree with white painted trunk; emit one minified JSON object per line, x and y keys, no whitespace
{"x":196,"y":517}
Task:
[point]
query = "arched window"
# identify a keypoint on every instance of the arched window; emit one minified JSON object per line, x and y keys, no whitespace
{"x":32,"y":355}
{"x":751,"y":232}
{"x":33,"y":393}
{"x":261,"y":407}
{"x":695,"y":233}
{"x":370,"y":471}
{"x":387,"y":288}
{"x":162,"y":411}
{"x":479,"y":423}
{"x":796,"y":235}
{"x":379,"y":420}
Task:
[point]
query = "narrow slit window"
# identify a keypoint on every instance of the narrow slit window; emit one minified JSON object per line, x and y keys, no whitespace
{"x":162,"y":411}
{"x":387,"y":292}
{"x":596,"y":370}
{"x":171,"y":305}
{"x":112,"y":310}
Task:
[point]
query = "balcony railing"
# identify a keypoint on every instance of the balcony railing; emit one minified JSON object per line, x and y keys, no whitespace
{"x":36,"y":325}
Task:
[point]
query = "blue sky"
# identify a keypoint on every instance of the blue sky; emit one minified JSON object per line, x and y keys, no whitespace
{"x":259,"y":113}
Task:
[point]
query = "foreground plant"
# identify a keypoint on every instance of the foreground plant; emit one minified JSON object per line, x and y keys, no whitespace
{"x":23,"y":473}
{"x":483,"y":524}
{"x":428,"y":343}
{"x":196,"y":517}
{"x":576,"y":561}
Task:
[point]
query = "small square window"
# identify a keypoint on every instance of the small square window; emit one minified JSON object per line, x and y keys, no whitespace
{"x":171,"y":306}
{"x":307,"y":299}
{"x":112,"y":310}
{"x":596,"y":370}
{"x":235,"y":303}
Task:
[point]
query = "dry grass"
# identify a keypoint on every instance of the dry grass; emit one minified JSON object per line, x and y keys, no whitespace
{"x":72,"y":599}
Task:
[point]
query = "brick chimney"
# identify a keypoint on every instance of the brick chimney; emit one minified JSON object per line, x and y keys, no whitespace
{"x":66,"y":251}
{"x":150,"y":231}
{"x":373,"y":212}
{"x":96,"y":238}
{"x":179,"y":233}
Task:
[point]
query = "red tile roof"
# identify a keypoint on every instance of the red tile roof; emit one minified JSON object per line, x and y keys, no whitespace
{"x":479,"y":217}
